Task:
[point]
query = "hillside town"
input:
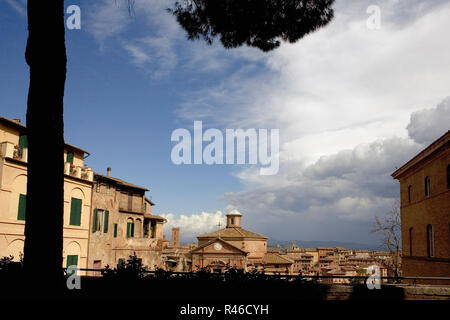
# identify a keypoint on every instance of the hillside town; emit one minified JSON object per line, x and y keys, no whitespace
{"x":107,"y":220}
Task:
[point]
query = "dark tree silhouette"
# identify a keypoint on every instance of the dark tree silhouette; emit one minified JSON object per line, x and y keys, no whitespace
{"x":46,"y":56}
{"x":257,"y":23}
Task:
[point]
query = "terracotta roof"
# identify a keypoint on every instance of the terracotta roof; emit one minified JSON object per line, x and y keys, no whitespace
{"x":153,"y":216}
{"x":231,"y":233}
{"x":120,"y":182}
{"x":273,"y":258}
{"x":19,"y":126}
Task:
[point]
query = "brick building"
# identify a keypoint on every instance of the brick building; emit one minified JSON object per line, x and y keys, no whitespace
{"x":237,"y":247}
{"x":122,"y":224}
{"x":425,"y":211}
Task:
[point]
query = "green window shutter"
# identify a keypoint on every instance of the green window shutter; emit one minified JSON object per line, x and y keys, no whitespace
{"x":23,"y":141}
{"x":95,"y":217}
{"x":75,"y":212}
{"x":105,"y":227}
{"x":132,"y":229}
{"x":115,"y":230}
{"x":128,"y":229}
{"x":72,"y":260}
{"x":22,"y":207}
{"x":69,"y":157}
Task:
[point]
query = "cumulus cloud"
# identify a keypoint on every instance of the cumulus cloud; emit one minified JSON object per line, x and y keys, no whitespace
{"x":347,"y":189}
{"x":193,"y":225}
{"x":428,"y":124}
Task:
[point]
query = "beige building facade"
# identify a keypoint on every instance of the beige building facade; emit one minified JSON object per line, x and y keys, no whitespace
{"x":78,"y":181}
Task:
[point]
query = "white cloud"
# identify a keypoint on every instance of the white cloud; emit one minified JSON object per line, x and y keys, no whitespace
{"x":428,"y":124}
{"x":194,"y":225}
{"x":106,"y":19}
{"x":19,"y":6}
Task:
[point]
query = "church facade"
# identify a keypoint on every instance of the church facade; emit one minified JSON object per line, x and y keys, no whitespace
{"x":236,"y":247}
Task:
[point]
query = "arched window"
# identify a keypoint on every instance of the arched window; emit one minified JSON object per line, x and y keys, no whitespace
{"x":430,"y":241}
{"x":427,"y":186}
{"x":448,"y":176}
{"x":409,"y":194}
{"x":130,"y":228}
{"x":138,"y":224}
{"x":411,"y":241}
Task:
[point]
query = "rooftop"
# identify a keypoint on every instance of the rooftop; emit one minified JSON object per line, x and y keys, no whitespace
{"x":232,"y":232}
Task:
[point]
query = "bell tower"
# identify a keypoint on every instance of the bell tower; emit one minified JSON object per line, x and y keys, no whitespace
{"x":234,"y":219}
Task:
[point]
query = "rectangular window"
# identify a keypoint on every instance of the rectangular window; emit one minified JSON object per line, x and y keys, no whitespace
{"x":105,"y":222}
{"x":69,"y":157}
{"x":23,"y":141}
{"x":72,"y":260}
{"x":22,"y":207}
{"x":430,"y":241}
{"x":107,"y":188}
{"x":115,"y":230}
{"x":130,"y":229}
{"x":75,"y":212}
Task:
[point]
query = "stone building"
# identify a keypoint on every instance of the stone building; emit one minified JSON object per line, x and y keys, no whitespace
{"x":78,"y":180}
{"x":177,"y":257}
{"x":425,"y":211}
{"x":236,"y":247}
{"x":122,"y":224}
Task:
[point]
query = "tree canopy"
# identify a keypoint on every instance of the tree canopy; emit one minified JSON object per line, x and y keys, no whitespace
{"x":256,"y":23}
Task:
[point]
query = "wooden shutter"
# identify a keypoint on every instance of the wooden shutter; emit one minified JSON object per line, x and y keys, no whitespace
{"x":23,"y":141}
{"x":115,"y":230}
{"x":128,"y":229}
{"x":69,"y":157}
{"x":22,"y":207}
{"x":95,"y":217}
{"x":132,"y":229}
{"x":105,"y":227}
{"x":75,"y":212}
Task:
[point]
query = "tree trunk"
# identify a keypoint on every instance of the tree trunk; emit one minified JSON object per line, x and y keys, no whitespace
{"x":46,"y":57}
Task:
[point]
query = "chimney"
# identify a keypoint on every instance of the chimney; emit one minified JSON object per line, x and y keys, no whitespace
{"x":16,"y":120}
{"x":176,"y":237}
{"x":108,"y":172}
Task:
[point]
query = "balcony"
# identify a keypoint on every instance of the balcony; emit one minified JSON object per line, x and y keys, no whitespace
{"x":10,"y":150}
{"x":83,"y":173}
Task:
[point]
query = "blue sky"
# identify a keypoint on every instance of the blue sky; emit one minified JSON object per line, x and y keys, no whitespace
{"x":350,"y":104}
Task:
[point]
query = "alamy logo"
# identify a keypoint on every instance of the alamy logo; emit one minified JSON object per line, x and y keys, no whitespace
{"x":251,"y":145}
{"x":374,"y":280}
{"x":74,"y":280}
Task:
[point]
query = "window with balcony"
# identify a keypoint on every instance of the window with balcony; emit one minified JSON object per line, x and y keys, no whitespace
{"x":69,"y":157}
{"x":427,"y":187}
{"x":430,"y":241}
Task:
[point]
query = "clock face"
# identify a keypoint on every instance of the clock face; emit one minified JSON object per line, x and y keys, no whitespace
{"x":217,"y":246}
